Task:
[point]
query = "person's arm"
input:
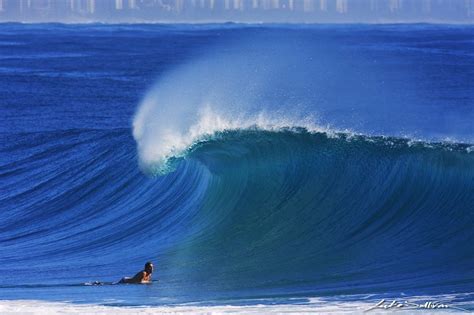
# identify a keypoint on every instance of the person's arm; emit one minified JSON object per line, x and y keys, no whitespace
{"x":146,"y":278}
{"x":138,"y":277}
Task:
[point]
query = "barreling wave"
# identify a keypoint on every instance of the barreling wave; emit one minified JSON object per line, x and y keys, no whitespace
{"x":288,"y":211}
{"x":324,"y":210}
{"x":250,"y":206}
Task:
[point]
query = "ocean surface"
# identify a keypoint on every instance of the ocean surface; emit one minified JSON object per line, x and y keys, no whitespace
{"x":289,"y":167}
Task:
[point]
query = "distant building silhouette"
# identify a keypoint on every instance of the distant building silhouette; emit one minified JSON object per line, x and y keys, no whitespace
{"x":316,"y":11}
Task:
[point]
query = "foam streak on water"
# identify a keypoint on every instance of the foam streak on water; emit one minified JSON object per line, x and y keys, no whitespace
{"x":350,"y":305}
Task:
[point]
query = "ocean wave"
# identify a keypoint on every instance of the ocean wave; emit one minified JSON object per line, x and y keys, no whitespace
{"x":323,"y":207}
{"x":160,"y":153}
{"x":287,"y":209}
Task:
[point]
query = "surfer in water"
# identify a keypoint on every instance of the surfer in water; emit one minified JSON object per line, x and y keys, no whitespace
{"x":143,"y":276}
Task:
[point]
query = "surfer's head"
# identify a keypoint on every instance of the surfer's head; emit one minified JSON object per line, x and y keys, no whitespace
{"x":149,"y":267}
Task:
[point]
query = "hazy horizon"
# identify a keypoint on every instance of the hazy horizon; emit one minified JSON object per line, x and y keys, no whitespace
{"x":238,"y":11}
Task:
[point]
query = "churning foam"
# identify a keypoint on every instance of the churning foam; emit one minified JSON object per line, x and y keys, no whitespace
{"x":157,"y":144}
{"x":311,"y":306}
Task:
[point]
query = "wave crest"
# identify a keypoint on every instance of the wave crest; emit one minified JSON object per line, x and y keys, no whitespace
{"x":159,"y":147}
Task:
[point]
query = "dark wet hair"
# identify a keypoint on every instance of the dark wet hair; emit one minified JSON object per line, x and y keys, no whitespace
{"x":148,"y":264}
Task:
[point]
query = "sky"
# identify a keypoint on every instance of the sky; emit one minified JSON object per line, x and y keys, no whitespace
{"x":286,"y":11}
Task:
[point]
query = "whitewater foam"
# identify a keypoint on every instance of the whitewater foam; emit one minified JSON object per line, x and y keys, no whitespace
{"x":157,"y":145}
{"x":310,"y":305}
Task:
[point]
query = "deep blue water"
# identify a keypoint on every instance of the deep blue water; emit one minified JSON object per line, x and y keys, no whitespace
{"x":245,"y":161}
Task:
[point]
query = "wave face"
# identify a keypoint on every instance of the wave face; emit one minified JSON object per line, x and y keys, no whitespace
{"x":242,"y":178}
{"x":255,"y":211}
{"x":297,"y":208}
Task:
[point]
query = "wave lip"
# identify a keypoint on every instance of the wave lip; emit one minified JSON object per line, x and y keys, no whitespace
{"x":159,"y":148}
{"x":311,"y":208}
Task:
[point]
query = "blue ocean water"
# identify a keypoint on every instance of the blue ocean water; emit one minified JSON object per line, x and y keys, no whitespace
{"x":251,"y":163}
